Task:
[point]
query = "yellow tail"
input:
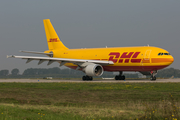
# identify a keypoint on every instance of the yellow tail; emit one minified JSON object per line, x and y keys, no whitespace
{"x":53,"y":40}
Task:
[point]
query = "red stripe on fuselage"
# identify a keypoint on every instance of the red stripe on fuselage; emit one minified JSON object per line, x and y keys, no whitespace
{"x":135,"y":60}
{"x":133,"y":68}
{"x":129,"y":68}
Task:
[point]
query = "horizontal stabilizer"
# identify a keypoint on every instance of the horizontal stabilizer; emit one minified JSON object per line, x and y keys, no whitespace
{"x":34,"y":52}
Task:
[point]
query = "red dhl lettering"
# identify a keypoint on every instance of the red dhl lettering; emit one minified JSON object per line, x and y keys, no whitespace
{"x":126,"y":60}
{"x":125,"y":55}
{"x":120,"y":61}
{"x":115,"y":57}
{"x":135,"y":54}
{"x":53,"y":40}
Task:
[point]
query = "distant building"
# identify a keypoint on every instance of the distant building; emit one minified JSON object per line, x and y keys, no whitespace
{"x":48,"y":78}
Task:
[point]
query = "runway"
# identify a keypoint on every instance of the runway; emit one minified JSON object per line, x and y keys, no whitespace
{"x":80,"y":81}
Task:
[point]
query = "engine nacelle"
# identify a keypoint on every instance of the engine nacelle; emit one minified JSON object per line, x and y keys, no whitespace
{"x":93,"y":70}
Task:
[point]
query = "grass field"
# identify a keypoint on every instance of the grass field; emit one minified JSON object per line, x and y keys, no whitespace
{"x":88,"y":101}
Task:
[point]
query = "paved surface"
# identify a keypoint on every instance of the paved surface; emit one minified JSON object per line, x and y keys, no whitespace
{"x":115,"y":81}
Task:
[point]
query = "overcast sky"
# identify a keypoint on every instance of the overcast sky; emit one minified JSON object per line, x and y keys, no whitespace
{"x":87,"y":24}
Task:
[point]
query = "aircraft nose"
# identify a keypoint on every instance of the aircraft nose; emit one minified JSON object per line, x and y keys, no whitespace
{"x":171,"y":59}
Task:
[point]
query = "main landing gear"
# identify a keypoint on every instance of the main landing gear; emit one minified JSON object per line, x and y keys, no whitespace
{"x":120,"y":76}
{"x":87,"y":78}
{"x":153,"y":75}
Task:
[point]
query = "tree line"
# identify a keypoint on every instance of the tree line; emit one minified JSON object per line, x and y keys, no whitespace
{"x":70,"y":73}
{"x":51,"y":72}
{"x":43,"y":72}
{"x":169,"y":72}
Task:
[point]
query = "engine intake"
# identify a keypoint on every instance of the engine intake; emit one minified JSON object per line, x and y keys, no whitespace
{"x":93,"y":70}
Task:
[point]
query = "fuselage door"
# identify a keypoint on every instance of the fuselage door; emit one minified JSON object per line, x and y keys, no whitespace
{"x":147,"y":55}
{"x":146,"y":58}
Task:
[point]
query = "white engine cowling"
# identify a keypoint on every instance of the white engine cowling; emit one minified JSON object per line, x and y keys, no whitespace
{"x":93,"y":70}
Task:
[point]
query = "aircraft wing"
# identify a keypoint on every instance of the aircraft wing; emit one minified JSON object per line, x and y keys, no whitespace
{"x":62,"y":60}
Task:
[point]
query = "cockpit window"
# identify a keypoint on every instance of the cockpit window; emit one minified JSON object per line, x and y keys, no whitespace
{"x":164,"y":54}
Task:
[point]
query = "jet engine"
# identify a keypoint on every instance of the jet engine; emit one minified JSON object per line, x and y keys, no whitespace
{"x":93,"y":70}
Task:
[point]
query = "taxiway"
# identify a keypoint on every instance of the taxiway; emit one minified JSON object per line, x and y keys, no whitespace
{"x":115,"y":81}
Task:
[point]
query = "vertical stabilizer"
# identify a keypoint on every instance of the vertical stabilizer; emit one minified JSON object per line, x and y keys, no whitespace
{"x":53,"y":41}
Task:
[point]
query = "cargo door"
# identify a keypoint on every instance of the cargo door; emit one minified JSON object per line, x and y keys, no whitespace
{"x":147,"y":55}
{"x":146,"y":59}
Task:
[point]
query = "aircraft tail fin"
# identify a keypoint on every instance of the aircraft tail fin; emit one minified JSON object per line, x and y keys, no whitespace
{"x":53,"y":41}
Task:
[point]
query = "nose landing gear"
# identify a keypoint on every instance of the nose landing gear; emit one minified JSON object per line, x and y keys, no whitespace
{"x":153,"y":75}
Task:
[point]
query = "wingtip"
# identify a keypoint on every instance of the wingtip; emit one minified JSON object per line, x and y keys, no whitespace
{"x":9,"y":56}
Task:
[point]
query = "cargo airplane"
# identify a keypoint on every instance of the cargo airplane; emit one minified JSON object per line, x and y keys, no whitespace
{"x":93,"y":61}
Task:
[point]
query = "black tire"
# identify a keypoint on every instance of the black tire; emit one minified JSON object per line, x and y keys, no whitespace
{"x":153,"y":78}
{"x":87,"y":78}
{"x":123,"y":77}
{"x":91,"y":78}
{"x":116,"y":77}
{"x":84,"y":78}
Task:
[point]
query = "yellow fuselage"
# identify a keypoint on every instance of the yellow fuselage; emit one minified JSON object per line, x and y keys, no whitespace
{"x":125,"y":58}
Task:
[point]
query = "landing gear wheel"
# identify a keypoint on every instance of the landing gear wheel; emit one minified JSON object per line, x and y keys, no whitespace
{"x":123,"y":77}
{"x":153,"y":75}
{"x":90,"y":78}
{"x":153,"y":78}
{"x":86,"y":78}
{"x":118,"y":77}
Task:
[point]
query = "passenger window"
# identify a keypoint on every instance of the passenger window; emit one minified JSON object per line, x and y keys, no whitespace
{"x":165,"y":53}
{"x":161,"y":53}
